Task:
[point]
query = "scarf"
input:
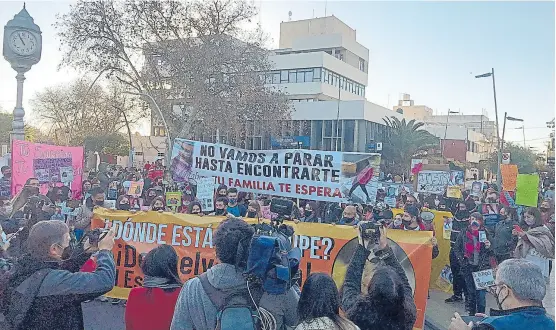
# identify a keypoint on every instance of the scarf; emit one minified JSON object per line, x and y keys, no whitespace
{"x":538,"y":238}
{"x":159,"y":282}
{"x":472,"y":246}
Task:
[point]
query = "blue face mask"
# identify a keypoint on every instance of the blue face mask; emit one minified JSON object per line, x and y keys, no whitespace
{"x":232,"y":200}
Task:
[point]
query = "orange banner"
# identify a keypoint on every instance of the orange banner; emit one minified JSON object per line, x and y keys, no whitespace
{"x":326,"y":248}
{"x":509,"y":176}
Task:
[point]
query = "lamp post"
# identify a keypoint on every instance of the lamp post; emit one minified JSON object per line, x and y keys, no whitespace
{"x":446,"y":132}
{"x":486,"y":75}
{"x":168,"y":140}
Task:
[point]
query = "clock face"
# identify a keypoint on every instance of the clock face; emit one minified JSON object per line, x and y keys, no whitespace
{"x":23,"y":42}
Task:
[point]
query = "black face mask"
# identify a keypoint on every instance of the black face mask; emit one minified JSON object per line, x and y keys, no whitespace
{"x":406,"y":223}
{"x":462,"y":214}
{"x":503,"y":217}
{"x":220,"y":212}
{"x":158,"y":208}
{"x":544,"y":209}
{"x":308,"y":213}
{"x":33,"y":190}
{"x":124,"y":207}
{"x":8,"y":175}
{"x":251,"y":214}
{"x":99,"y":203}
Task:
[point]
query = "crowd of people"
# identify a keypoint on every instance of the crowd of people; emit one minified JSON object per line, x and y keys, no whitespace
{"x":50,"y":253}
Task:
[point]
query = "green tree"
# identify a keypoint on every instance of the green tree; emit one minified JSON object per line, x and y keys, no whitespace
{"x":406,"y":141}
{"x":113,"y":144}
{"x":524,"y":158}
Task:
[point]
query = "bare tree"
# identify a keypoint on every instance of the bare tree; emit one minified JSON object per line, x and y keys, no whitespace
{"x":79,"y":110}
{"x":198,"y":59}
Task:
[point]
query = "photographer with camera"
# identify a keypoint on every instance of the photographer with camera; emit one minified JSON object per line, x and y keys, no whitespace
{"x":388,"y":301}
{"x":46,"y":290}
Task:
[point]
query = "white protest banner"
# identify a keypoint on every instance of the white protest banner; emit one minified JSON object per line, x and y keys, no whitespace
{"x":307,"y":174}
{"x":205,"y":193}
{"x":433,"y":182}
{"x":483,"y":279}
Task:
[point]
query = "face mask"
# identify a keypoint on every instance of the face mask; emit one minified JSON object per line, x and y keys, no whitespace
{"x":308,"y":213}
{"x":251,"y":214}
{"x":397,"y":222}
{"x":462,"y":214}
{"x":544,"y":209}
{"x":124,"y":207}
{"x":99,"y":203}
{"x":475,"y":224}
{"x":34,"y":190}
{"x":406,"y":223}
{"x":496,"y":295}
{"x":232,"y":200}
{"x":503,"y":217}
{"x":436,"y":202}
{"x":157,"y":208}
{"x":220,"y":212}
{"x":529,"y":221}
{"x":8,"y":175}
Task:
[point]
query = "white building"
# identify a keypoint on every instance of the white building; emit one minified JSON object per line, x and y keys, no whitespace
{"x":146,"y":149}
{"x":324,"y":71}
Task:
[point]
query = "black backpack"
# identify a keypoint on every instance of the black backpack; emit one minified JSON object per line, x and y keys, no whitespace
{"x":237,"y":309}
{"x":14,"y":305}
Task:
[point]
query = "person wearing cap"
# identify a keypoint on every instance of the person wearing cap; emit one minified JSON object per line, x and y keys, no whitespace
{"x":472,"y":249}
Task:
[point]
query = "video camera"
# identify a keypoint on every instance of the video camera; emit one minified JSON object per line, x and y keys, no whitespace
{"x":370,"y":231}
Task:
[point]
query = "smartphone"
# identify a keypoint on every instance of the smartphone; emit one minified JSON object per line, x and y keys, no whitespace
{"x":518,"y":228}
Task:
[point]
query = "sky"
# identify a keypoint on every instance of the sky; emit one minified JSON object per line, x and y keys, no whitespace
{"x":430,"y":50}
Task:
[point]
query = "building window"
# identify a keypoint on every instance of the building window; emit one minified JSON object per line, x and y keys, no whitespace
{"x":362,"y":64}
{"x":275,"y":77}
{"x":316,"y":74}
{"x":138,"y":153}
{"x":309,"y":75}
{"x":300,"y":77}
{"x":284,"y":76}
{"x":293,"y":75}
{"x":160,"y":154}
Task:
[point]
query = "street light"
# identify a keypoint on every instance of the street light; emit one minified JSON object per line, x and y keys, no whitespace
{"x":486,"y":75}
{"x":168,"y":140}
{"x":506,"y":117}
{"x":446,"y":131}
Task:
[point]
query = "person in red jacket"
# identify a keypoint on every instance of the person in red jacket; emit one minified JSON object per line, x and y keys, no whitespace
{"x":362,"y":179}
{"x":151,"y":307}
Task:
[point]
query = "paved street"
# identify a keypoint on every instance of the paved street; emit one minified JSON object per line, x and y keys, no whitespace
{"x":105,"y":316}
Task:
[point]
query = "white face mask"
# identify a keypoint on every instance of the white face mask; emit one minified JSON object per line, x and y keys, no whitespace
{"x":436,"y":202}
{"x":397,"y":222}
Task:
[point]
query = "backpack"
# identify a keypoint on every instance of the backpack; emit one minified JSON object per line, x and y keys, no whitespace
{"x":237,"y":309}
{"x":15,"y":305}
{"x":273,"y":261}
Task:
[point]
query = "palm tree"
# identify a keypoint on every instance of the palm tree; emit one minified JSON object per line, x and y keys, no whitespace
{"x":406,"y":140}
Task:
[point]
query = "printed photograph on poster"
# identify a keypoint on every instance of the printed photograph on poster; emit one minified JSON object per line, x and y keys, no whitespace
{"x":66,"y":174}
{"x":476,"y":189}
{"x":109,"y":204}
{"x":205,"y":193}
{"x":360,"y":177}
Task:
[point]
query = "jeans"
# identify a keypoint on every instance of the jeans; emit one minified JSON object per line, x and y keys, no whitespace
{"x":458,"y":282}
{"x":475,"y":299}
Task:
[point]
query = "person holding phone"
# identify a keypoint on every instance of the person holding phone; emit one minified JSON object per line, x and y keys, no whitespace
{"x":535,"y":241}
{"x":472,"y":249}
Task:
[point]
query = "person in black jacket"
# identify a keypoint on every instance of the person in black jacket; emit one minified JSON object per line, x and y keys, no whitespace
{"x":472,"y":249}
{"x":460,"y":221}
{"x":57,"y":304}
{"x":388,"y":302}
{"x":504,"y":243}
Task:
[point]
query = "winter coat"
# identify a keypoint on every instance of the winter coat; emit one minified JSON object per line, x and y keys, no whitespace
{"x":538,"y":238}
{"x":150,"y":308}
{"x":484,"y":253}
{"x":504,"y":242}
{"x":58,"y":302}
{"x":360,"y":310}
{"x":194,"y":310}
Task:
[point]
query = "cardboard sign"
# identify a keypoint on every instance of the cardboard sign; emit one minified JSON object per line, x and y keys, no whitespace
{"x":434,"y":182}
{"x":453,"y":192}
{"x":483,"y":279}
{"x":173,"y":199}
{"x":205,"y":193}
{"x":509,"y":177}
{"x":527,"y":189}
{"x":135,"y":188}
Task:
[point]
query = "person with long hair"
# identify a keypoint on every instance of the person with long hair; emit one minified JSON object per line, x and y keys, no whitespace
{"x":535,"y":241}
{"x":151,"y":307}
{"x":387,"y":302}
{"x":158,"y":204}
{"x":473,"y":251}
{"x":195,"y":208}
{"x":503,"y":244}
{"x":546,"y":207}
{"x":319,"y":305}
{"x":254,"y":210}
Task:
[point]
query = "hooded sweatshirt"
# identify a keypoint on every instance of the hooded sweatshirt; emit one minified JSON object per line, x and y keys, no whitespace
{"x":194,"y":310}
